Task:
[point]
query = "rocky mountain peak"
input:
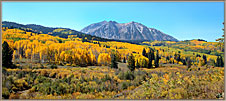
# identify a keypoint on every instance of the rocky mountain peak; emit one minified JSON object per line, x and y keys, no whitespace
{"x":126,"y":31}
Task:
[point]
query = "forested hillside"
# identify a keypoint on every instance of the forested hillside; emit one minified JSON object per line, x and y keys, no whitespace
{"x":80,"y":66}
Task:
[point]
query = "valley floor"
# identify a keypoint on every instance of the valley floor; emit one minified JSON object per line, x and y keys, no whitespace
{"x":170,"y":81}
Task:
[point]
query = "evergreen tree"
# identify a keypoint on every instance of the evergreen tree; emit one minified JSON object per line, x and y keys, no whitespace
{"x":83,"y":39}
{"x":151,"y":57}
{"x":11,"y":27}
{"x":124,"y":60}
{"x":175,"y":56}
{"x":205,"y":59}
{"x":183,"y":61}
{"x":114,"y":64}
{"x":144,"y":64}
{"x":178,"y":58}
{"x":170,"y":61}
{"x":167,"y":58}
{"x":221,"y":62}
{"x":197,"y":55}
{"x":131,"y":63}
{"x":150,"y":61}
{"x":99,"y":44}
{"x":144,"y":53}
{"x":7,"y":53}
{"x":138,"y":65}
{"x":218,"y":61}
{"x":157,"y":59}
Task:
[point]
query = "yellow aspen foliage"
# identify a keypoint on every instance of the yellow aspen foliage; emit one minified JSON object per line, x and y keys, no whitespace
{"x":28,"y":53}
{"x":142,"y":60}
{"x":20,"y":57}
{"x":14,"y":55}
{"x":104,"y":59}
{"x":40,"y":56}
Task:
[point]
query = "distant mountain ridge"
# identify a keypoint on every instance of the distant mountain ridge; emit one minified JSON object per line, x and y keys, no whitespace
{"x":32,"y":26}
{"x":126,"y":31}
{"x":61,"y":32}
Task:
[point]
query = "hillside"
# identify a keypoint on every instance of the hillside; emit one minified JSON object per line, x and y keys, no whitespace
{"x":52,"y":67}
{"x":39,"y":29}
{"x":46,"y":66}
{"x":196,"y":45}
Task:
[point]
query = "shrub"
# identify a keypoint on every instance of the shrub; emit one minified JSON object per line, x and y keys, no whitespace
{"x":5,"y":93}
{"x":107,"y":77}
{"x":27,"y":66}
{"x":41,"y":66}
{"x":44,"y":73}
{"x":52,"y":75}
{"x":124,"y":85}
{"x":21,"y":74}
{"x":53,"y":66}
{"x":189,"y":63}
{"x":61,"y":64}
{"x":14,"y":96}
{"x":129,"y":75}
{"x":126,"y":75}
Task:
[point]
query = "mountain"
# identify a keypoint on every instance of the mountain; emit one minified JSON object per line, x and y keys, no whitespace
{"x":34,"y":27}
{"x":61,"y":32}
{"x":126,"y":31}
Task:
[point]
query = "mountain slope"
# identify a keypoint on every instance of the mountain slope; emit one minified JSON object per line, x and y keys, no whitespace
{"x":61,"y":32}
{"x":126,"y":31}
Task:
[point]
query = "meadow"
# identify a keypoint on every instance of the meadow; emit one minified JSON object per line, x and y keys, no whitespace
{"x":51,"y":67}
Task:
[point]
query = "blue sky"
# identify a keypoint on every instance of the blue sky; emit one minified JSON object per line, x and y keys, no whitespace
{"x":182,"y":20}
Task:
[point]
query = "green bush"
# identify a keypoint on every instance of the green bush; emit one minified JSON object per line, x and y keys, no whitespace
{"x":5,"y":93}
{"x":124,"y":85}
{"x":107,"y":77}
{"x":53,"y":66}
{"x":126,"y":75}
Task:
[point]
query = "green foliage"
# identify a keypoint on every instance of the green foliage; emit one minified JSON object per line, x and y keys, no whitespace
{"x":131,"y":63}
{"x":124,"y":60}
{"x":138,"y":65}
{"x":7,"y":53}
{"x":99,"y":82}
{"x":17,"y":39}
{"x":144,"y":52}
{"x":220,"y":62}
{"x":126,"y":75}
{"x":151,"y":57}
{"x":124,"y":85}
{"x":157,"y":59}
{"x":114,"y":63}
{"x":106,"y":78}
{"x":53,"y":66}
{"x":205,"y":59}
{"x":145,"y":83}
{"x":188,"y":60}
{"x":5,"y":93}
{"x":177,"y":57}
